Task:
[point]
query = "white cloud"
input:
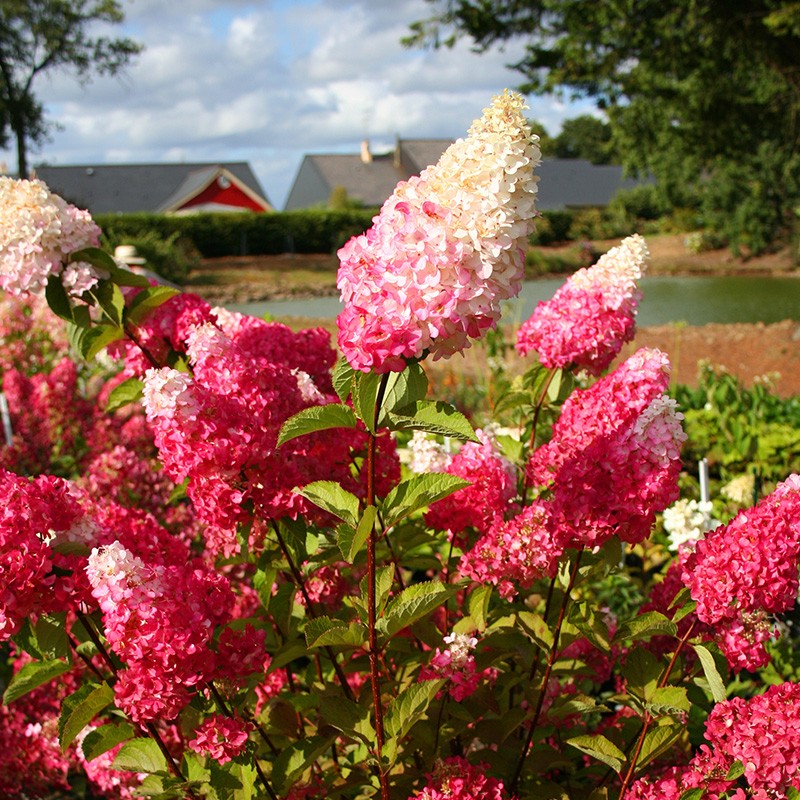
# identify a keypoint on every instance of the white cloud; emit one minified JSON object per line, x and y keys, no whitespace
{"x":268,"y":82}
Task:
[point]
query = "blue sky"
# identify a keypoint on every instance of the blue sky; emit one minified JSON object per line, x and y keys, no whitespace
{"x":267,"y":82}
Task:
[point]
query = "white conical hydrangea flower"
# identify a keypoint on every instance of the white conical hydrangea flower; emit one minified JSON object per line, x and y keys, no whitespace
{"x":38,"y":233}
{"x":446,"y":249}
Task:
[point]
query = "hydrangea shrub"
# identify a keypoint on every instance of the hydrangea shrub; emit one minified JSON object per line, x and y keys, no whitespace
{"x":267,"y":571}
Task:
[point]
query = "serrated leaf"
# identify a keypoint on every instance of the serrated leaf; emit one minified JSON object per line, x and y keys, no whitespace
{"x":90,"y":341}
{"x":418,"y":492}
{"x":568,"y":704}
{"x":51,"y":635}
{"x":140,"y":755}
{"x":684,"y":611}
{"x":668,"y":700}
{"x":646,"y":625}
{"x":642,"y":670}
{"x":413,"y":603}
{"x":534,"y":625}
{"x":295,"y":759}
{"x":384,"y":578}
{"x":342,"y":378}
{"x":348,"y":717}
{"x":405,"y":387}
{"x":146,"y":301}
{"x":101,"y":739}
{"x":366,"y":386}
{"x":324,"y":631}
{"x":600,"y":748}
{"x":478,"y":605}
{"x":735,"y":772}
{"x":129,"y":391}
{"x":331,"y":497}
{"x":317,"y":418}
{"x":109,"y":298}
{"x":693,"y":794}
{"x":657,"y":741}
{"x":80,"y":708}
{"x":350,"y":539}
{"x":513,"y":399}
{"x":433,"y":417}
{"x":58,"y":299}
{"x":410,"y":706}
{"x":715,"y":682}
{"x":33,"y":675}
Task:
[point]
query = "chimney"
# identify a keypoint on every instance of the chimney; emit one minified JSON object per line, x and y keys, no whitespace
{"x":366,"y":156}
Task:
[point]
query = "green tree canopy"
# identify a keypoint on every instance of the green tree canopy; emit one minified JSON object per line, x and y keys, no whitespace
{"x":39,"y":35}
{"x":704,"y":94}
{"x":585,"y":137}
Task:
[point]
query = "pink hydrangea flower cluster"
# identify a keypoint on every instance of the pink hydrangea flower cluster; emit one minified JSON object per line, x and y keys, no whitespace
{"x":445,"y":250}
{"x":31,"y":336}
{"x":219,"y":426}
{"x":49,"y":417}
{"x":39,"y":232}
{"x":592,"y":315}
{"x":456,"y":664}
{"x":455,"y":778}
{"x":761,"y":733}
{"x":165,"y":328}
{"x":487,"y":500}
{"x":746,"y":570}
{"x":223,"y":738}
{"x":159,"y":618}
{"x":513,"y":555}
{"x":31,"y":761}
{"x":614,"y":458}
{"x":36,"y":515}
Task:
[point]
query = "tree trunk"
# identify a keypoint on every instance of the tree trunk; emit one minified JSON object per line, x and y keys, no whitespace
{"x":22,"y":150}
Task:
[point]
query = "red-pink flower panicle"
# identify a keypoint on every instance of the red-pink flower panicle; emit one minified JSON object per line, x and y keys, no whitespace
{"x":745,"y":570}
{"x":513,"y":555}
{"x":592,"y":315}
{"x":445,"y":250}
{"x":455,"y":778}
{"x":614,"y":458}
{"x":223,"y":738}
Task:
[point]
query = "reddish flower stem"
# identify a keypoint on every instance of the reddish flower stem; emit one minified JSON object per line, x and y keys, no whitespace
{"x":301,"y":584}
{"x":648,"y":718}
{"x":551,"y":658}
{"x":374,"y":652}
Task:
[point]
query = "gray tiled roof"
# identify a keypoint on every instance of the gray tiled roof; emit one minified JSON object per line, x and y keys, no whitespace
{"x":122,"y":188}
{"x":563,"y":182}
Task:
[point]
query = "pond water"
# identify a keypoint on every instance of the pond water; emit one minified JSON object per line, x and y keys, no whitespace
{"x":693,"y":300}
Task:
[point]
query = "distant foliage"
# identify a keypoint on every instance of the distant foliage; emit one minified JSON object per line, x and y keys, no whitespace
{"x":218,"y":235}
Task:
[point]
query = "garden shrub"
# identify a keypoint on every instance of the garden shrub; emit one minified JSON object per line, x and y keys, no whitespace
{"x":283,"y":607}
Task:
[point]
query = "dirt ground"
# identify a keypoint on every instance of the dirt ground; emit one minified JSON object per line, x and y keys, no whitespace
{"x":746,"y":351}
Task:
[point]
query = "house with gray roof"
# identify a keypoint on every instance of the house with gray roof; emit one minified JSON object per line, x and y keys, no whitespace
{"x":370,"y":179}
{"x":158,"y":188}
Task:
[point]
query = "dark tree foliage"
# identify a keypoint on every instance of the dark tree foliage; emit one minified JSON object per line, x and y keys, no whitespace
{"x":704,"y":94}
{"x":40,"y":35}
{"x":585,"y":137}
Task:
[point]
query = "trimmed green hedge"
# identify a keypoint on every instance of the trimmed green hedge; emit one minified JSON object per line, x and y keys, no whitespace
{"x":216,"y":235}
